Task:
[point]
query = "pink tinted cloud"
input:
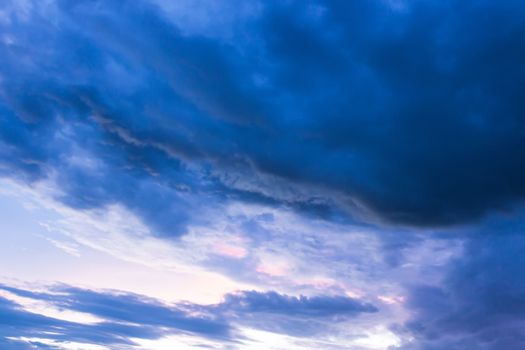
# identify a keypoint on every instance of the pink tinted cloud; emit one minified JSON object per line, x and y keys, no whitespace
{"x":276,"y":270}
{"x":231,"y":251}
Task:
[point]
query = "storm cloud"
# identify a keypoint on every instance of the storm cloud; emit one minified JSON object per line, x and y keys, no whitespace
{"x":409,"y":113}
{"x":398,"y":124}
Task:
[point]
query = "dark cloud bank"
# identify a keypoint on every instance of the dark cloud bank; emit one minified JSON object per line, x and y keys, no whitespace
{"x":413,"y":111}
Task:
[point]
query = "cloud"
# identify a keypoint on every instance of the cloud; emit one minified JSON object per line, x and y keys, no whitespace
{"x":480,"y":303}
{"x":274,"y":303}
{"x":151,"y":123}
{"x":402,"y":110}
{"x":123,"y":317}
{"x":407,"y":114}
{"x":300,"y":316}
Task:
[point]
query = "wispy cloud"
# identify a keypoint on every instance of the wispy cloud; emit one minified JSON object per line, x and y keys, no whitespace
{"x":110,"y":318}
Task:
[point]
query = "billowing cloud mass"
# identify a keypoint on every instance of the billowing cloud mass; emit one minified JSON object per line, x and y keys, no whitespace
{"x":343,"y":174}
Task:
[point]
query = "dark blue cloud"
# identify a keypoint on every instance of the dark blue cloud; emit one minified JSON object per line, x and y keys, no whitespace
{"x":413,"y":111}
{"x":419,"y":119}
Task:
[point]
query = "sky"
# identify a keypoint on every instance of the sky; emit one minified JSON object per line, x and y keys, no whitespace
{"x":277,"y":175}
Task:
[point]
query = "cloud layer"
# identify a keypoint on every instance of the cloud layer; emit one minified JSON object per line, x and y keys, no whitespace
{"x":480,"y":305}
{"x":407,"y":113}
{"x":296,"y":145}
{"x":121,"y":318}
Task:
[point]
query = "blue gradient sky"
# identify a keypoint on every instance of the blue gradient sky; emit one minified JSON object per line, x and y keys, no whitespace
{"x":202,"y":174}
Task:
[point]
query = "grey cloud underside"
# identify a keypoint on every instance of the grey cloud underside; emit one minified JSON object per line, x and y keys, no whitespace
{"x":128,"y":316}
{"x":327,"y":106}
{"x":481,"y":302}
